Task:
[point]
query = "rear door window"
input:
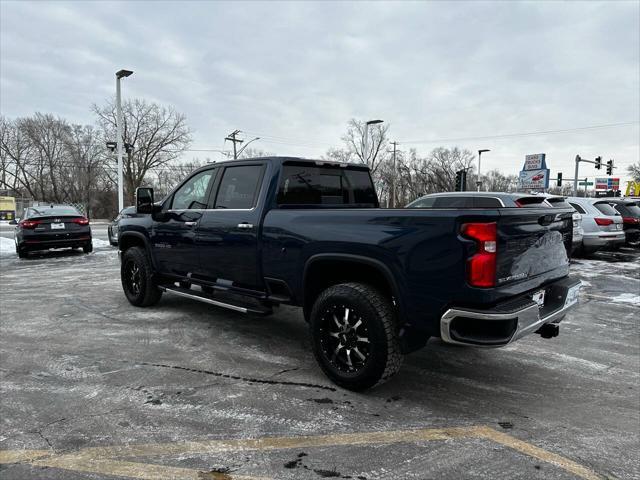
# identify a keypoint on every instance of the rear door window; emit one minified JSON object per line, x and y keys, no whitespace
{"x":578,"y":208}
{"x":486,"y":202}
{"x":426,"y":202}
{"x":239,"y":187}
{"x":453,"y":202}
{"x":606,"y":209}
{"x":558,"y":202}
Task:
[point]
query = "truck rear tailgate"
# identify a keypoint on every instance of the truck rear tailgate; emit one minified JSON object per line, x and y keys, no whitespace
{"x":533,"y":242}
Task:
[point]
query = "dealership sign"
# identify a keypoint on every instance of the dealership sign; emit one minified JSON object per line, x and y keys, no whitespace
{"x":534,"y":162}
{"x":534,"y":174}
{"x":607,"y":183}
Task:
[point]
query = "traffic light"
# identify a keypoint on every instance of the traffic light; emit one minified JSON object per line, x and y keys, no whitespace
{"x":598,"y":163}
{"x":610,"y":167}
{"x":559,"y":179}
{"x":461,"y":180}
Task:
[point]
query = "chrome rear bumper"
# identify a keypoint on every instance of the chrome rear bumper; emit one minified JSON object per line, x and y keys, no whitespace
{"x":511,"y":320}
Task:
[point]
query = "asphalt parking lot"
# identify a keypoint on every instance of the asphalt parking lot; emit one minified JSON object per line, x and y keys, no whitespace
{"x":92,"y":387}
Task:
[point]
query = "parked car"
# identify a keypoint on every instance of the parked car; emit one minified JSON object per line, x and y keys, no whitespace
{"x":52,"y":226}
{"x":630,"y":212}
{"x":479,"y":200}
{"x":372,"y":283}
{"x":559,"y":201}
{"x":112,"y":229}
{"x":602,"y":225}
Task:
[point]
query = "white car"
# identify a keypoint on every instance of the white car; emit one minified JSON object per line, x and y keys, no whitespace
{"x":602,"y":225}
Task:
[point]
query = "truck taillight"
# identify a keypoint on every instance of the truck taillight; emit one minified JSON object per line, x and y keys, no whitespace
{"x":81,"y":221}
{"x":29,"y":224}
{"x":481,"y":268}
{"x":603,"y":222}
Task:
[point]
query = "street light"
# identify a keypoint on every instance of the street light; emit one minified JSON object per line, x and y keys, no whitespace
{"x":366,"y":137}
{"x":246,"y":145}
{"x":119,"y":75}
{"x":478,"y":183}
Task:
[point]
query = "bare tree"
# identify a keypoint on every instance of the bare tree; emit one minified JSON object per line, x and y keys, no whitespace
{"x":84,"y":172}
{"x":158,"y":135}
{"x":353,"y":150}
{"x":634,"y":171}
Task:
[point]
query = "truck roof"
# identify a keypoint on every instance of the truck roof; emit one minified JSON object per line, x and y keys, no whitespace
{"x":281,"y":160}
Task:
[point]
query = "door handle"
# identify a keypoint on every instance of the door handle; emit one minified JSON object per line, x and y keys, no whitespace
{"x":246,"y":226}
{"x":190,"y":224}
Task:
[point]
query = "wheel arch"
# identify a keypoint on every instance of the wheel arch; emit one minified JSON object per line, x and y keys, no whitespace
{"x":126,"y":240}
{"x":320,"y":272}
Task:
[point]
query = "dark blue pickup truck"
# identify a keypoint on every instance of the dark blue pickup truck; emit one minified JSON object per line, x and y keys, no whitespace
{"x":373,"y":283}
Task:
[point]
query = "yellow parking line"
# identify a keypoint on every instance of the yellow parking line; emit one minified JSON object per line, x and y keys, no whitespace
{"x":22,"y":456}
{"x":277,"y":443}
{"x":539,"y":453}
{"x":104,"y":459}
{"x":141,"y":471}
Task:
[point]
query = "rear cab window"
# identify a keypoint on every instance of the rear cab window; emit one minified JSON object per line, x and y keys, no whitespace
{"x":306,"y":184}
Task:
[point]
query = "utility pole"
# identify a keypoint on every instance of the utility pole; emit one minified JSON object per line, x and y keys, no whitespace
{"x":393,"y":177}
{"x":232,"y":138}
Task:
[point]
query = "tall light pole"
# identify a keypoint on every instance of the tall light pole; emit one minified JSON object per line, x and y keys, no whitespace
{"x":246,"y":145}
{"x":365,"y":147}
{"x":478,"y":183}
{"x":120,"y":74}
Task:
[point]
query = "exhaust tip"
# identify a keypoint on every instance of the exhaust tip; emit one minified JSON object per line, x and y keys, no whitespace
{"x":549,"y":330}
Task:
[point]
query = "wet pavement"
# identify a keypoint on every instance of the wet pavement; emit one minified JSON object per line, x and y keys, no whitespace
{"x":92,"y":387}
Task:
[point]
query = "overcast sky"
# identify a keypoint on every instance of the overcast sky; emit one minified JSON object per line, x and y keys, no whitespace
{"x":295,"y":73}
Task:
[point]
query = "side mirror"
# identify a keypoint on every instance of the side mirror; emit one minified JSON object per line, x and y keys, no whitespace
{"x":144,"y":200}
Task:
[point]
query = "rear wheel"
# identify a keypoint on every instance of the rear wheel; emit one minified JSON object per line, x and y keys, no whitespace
{"x":88,"y":248}
{"x":22,"y":253}
{"x":354,"y":336}
{"x":136,"y":274}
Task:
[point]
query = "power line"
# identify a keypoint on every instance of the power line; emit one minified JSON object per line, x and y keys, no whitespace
{"x":523,"y":134}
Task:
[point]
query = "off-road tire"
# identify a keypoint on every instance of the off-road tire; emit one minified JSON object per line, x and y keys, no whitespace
{"x":147,"y":292}
{"x":377,"y":314}
{"x":88,"y":248}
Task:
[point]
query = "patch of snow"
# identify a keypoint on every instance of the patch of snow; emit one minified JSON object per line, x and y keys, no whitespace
{"x":7,"y":247}
{"x":631,"y":298}
{"x":99,"y":243}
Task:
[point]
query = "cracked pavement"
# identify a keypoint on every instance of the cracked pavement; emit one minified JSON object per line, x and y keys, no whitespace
{"x":81,"y":368}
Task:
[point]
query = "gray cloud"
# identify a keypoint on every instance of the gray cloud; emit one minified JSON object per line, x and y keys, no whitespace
{"x":300,"y":70}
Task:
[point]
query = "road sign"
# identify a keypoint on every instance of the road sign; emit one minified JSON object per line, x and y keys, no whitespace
{"x":534,"y":179}
{"x":586,"y":184}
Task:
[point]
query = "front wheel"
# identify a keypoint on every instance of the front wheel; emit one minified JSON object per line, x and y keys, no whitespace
{"x":136,"y":275}
{"x":354,"y":336}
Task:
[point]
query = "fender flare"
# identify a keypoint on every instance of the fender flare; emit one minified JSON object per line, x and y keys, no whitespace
{"x":140,"y":236}
{"x":372,"y":262}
